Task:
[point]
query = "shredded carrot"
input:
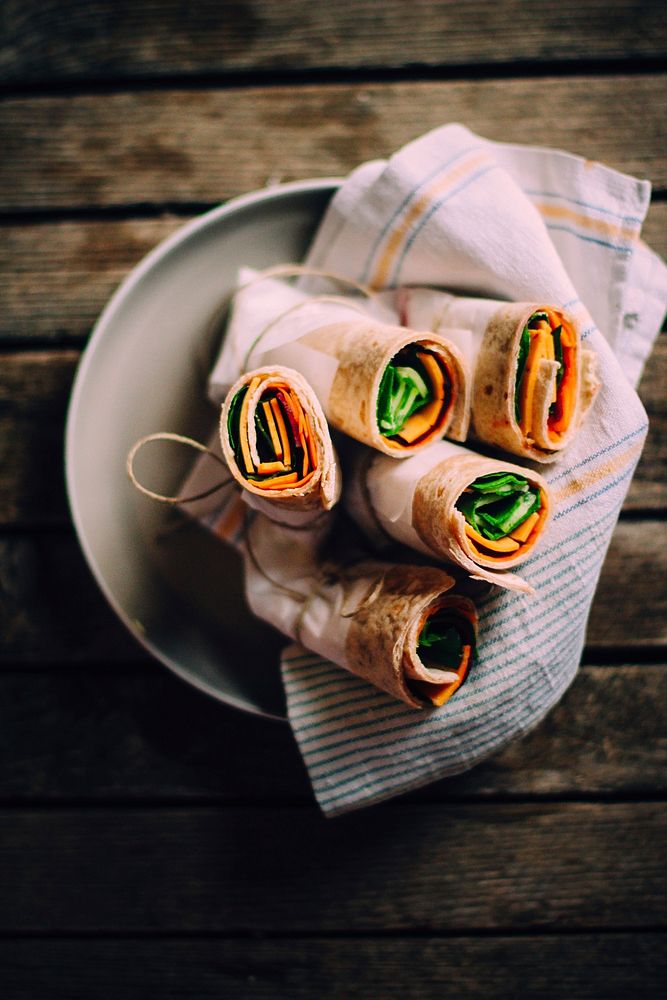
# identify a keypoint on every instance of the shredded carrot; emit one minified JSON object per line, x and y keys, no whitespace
{"x":278,"y":482}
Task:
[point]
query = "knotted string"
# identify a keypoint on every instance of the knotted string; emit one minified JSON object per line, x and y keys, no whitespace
{"x":181,"y":439}
{"x":341,"y":303}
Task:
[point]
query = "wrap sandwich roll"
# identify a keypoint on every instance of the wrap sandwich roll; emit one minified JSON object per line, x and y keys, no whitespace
{"x":399,"y":627}
{"x":533,"y":381}
{"x":393,"y":389}
{"x":448,"y":502}
{"x":276,"y":442}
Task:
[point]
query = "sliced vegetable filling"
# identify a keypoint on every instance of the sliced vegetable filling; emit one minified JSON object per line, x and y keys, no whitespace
{"x":414,"y":393}
{"x":547,"y":336}
{"x":446,"y":647}
{"x":501,"y":511}
{"x":284,"y":453}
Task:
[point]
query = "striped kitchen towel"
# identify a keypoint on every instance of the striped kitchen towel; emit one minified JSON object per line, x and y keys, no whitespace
{"x":456,"y":211}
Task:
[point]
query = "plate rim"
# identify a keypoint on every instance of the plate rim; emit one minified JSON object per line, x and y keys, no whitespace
{"x":121,"y":293}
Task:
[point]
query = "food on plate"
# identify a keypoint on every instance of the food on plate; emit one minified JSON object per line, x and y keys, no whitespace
{"x":394,"y":389}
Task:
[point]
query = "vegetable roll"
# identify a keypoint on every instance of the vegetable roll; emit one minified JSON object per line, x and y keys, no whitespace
{"x":394,"y":389}
{"x":484,"y":515}
{"x":399,"y":627}
{"x":533,"y":381}
{"x":276,"y":441}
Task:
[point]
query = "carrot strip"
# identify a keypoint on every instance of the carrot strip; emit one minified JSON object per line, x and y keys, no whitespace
{"x":278,"y":482}
{"x":434,"y":373}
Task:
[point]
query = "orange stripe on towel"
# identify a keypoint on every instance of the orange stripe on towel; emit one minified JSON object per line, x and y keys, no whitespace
{"x":417,"y":209}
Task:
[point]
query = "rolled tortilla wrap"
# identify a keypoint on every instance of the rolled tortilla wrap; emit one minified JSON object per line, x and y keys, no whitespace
{"x":533,"y":381}
{"x":276,"y":442}
{"x":393,"y":389}
{"x":399,"y":627}
{"x":448,"y":502}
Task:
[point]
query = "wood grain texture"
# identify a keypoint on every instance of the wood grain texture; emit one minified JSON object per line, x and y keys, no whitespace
{"x":77,"y":39}
{"x":175,"y":146}
{"x":34,"y":394}
{"x":57,"y":277}
{"x":91,"y":736}
{"x":427,"y":867}
{"x":52,"y":611}
{"x":585,"y":966}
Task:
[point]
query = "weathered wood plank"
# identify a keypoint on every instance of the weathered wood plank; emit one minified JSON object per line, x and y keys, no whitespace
{"x":34,"y":393}
{"x":102,"y":39}
{"x":402,"y":867}
{"x":56,"y":278}
{"x":635,"y":570}
{"x":52,"y":612}
{"x":648,"y":490}
{"x":585,"y":966}
{"x":146,"y":736}
{"x":206,"y":145}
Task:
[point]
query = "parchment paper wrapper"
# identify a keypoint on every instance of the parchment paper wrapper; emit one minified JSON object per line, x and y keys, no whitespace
{"x":491,"y":349}
{"x":414,"y":502}
{"x":322,"y":489}
{"x":366,"y":618}
{"x":342,"y":346}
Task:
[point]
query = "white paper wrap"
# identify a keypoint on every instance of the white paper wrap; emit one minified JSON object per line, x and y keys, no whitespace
{"x":267,"y":320}
{"x":380,"y":497}
{"x":341,"y":346}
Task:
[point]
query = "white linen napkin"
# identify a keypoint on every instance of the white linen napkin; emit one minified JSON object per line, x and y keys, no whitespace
{"x":459,"y":212}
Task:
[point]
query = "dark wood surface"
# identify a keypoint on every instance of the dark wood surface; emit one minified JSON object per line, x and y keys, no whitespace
{"x":154,"y":842}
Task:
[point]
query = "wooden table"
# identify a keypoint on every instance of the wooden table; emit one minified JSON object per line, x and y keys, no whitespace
{"x":155,"y":843}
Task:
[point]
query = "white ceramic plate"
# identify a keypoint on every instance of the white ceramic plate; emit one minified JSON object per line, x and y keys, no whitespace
{"x":145,"y":369}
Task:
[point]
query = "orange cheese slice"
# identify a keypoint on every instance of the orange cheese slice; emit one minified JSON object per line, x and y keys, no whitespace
{"x":421,"y":422}
{"x":522,"y":533}
{"x":538,"y":349}
{"x":503,"y":545}
{"x":434,"y":373}
{"x":439,"y":694}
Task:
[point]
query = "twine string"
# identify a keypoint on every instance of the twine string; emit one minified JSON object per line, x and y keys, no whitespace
{"x":181,"y":439}
{"x":342,"y":303}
